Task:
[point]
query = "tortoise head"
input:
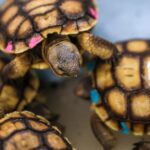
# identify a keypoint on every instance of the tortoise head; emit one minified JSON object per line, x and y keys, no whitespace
{"x":63,"y":57}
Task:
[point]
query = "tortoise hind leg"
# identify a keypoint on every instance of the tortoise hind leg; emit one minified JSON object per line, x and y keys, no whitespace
{"x":102,"y":133}
{"x":96,"y":45}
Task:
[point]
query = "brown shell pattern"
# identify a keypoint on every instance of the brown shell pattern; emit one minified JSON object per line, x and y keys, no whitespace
{"x":124,"y":85}
{"x":26,"y":131}
{"x":25,"y":23}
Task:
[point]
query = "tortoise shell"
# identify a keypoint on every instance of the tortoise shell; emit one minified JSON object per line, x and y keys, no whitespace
{"x":124,"y":88}
{"x":24,"y":24}
{"x":26,"y":131}
{"x":16,"y":94}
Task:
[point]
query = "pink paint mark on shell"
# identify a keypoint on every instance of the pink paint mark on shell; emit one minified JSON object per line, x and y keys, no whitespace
{"x":9,"y":47}
{"x":94,"y":13}
{"x":34,"y":41}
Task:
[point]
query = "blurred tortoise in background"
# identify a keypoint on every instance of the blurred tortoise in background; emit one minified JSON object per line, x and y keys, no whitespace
{"x":49,"y":33}
{"x":27,"y":131}
{"x":142,"y":145}
{"x":120,"y":91}
{"x":17,"y":93}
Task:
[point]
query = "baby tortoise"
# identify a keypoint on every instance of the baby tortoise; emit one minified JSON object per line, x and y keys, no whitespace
{"x":17,"y":93}
{"x":27,"y":131}
{"x":120,"y":91}
{"x":49,"y":33}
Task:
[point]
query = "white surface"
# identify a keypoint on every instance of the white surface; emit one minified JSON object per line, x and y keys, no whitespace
{"x":124,"y":19}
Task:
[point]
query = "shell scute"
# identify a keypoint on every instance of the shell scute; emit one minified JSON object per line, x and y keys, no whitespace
{"x":124,"y":87}
{"x":20,"y":20}
{"x":25,"y":132}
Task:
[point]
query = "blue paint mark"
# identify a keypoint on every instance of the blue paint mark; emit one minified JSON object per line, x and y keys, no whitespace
{"x":91,"y":65}
{"x":95,"y":96}
{"x":125,"y":129}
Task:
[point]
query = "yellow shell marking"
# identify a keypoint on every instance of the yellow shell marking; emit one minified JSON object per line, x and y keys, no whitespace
{"x":141,"y":105}
{"x":23,"y":141}
{"x":104,"y":76}
{"x":117,"y":102}
{"x":128,"y":72}
{"x":146,"y":75}
{"x":138,"y":129}
{"x":138,"y":46}
{"x":55,"y":141}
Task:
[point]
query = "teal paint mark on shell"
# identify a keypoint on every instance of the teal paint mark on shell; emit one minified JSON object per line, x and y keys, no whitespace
{"x":91,"y":65}
{"x":125,"y":129}
{"x":95,"y":96}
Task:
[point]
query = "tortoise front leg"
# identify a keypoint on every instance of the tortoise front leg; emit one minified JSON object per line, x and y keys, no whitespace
{"x":17,"y":67}
{"x":96,"y":45}
{"x":102,"y":133}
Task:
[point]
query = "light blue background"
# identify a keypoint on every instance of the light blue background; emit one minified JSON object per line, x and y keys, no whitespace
{"x":124,"y":19}
{"x":1,"y":1}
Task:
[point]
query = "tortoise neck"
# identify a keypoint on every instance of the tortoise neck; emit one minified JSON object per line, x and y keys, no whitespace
{"x":51,"y":40}
{"x":54,"y":38}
